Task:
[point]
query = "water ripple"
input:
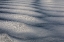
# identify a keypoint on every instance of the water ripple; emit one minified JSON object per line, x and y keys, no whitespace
{"x":32,"y":20}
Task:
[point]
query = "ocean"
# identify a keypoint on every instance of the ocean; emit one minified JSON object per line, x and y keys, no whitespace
{"x":31,"y":20}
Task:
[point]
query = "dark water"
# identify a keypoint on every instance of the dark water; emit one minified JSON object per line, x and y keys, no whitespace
{"x":32,"y":20}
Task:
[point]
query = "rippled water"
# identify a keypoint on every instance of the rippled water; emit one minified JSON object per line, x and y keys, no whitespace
{"x":32,"y":20}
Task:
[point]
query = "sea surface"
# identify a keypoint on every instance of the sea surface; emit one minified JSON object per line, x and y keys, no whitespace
{"x":31,"y":20}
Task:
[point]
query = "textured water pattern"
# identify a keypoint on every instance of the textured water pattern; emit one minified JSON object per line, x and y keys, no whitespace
{"x":31,"y":20}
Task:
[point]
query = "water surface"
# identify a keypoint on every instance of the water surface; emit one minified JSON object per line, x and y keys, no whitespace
{"x":32,"y":20}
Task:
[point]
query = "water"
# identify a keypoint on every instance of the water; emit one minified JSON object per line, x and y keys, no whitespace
{"x":32,"y":20}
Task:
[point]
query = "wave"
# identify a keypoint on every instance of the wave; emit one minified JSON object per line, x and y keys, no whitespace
{"x":32,"y":21}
